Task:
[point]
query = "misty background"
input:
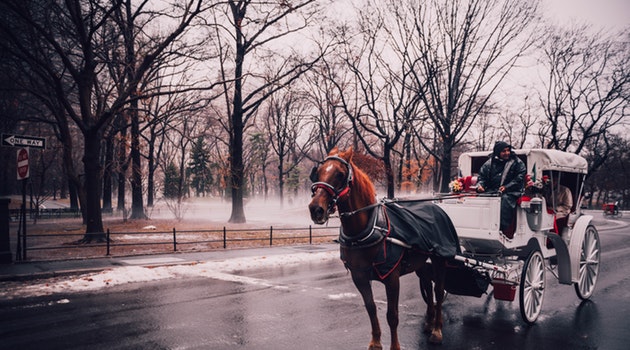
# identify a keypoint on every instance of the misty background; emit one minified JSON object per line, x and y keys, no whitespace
{"x":173,"y":103}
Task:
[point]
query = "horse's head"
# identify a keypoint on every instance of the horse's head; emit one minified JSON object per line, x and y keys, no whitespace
{"x":331,"y":181}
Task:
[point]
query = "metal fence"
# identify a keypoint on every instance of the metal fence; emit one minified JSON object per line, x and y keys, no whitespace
{"x":56,"y":246}
{"x":53,"y":213}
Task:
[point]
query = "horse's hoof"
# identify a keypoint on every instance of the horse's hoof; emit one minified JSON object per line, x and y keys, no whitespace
{"x":435,"y":338}
{"x":375,"y":347}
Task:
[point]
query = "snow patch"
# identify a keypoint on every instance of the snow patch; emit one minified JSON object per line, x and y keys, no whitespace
{"x":221,"y":270}
{"x":342,"y":296}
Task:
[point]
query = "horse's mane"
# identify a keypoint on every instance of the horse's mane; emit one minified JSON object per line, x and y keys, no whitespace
{"x":360,"y":180}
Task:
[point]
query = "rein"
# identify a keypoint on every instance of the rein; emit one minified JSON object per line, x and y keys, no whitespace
{"x":385,"y":200}
{"x":335,"y":194}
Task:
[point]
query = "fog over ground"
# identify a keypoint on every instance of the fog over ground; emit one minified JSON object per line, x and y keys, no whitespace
{"x":257,"y":211}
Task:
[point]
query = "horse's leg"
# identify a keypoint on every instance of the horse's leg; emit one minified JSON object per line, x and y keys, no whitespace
{"x":392,"y":288}
{"x":426,"y":287}
{"x":439,"y":276}
{"x":362,"y":283}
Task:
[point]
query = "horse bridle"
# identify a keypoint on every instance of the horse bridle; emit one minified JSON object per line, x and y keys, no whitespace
{"x":330,"y":189}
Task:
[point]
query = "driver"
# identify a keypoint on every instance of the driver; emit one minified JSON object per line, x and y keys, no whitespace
{"x":504,"y":172}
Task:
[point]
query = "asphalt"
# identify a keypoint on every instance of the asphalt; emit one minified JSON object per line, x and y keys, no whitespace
{"x":45,"y":269}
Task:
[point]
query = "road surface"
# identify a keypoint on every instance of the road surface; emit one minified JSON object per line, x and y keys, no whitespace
{"x":313,"y":305}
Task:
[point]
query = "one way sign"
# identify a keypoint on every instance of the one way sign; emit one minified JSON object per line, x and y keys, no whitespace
{"x":23,"y":141}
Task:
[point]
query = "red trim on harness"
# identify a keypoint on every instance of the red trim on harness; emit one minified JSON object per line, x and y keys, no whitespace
{"x":344,"y":192}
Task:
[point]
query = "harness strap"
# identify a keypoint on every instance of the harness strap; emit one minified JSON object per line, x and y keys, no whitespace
{"x":326,"y":187}
{"x":375,"y":231}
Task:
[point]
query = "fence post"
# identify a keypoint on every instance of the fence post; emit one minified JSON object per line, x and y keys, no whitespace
{"x":270,"y":235}
{"x":310,"y":235}
{"x":107,"y":239}
{"x":224,"y":238}
{"x":174,"y":240}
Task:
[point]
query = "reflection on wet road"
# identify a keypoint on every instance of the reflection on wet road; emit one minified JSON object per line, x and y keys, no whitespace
{"x":313,"y":306}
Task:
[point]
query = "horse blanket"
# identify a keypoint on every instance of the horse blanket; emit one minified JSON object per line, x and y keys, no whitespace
{"x":422,"y":225}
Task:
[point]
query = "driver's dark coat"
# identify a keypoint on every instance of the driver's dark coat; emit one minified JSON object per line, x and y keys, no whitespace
{"x":490,"y":176}
{"x":492,"y":170}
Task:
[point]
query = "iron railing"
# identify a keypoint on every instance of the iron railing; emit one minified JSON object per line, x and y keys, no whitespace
{"x":78,"y":245}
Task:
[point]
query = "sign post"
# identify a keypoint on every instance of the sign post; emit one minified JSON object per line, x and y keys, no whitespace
{"x":23,"y":172}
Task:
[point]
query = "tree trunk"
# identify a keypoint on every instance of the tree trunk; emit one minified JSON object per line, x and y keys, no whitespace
{"x":74,"y":183}
{"x":236,"y":165}
{"x":122,"y":170}
{"x":137,"y":206}
{"x":151,"y":175}
{"x":107,"y":175}
{"x":389,"y":173}
{"x":281,"y":181}
{"x":445,"y":169}
{"x":236,"y":139}
{"x":94,"y":222}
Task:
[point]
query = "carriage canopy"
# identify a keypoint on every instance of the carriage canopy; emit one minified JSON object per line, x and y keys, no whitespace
{"x":536,"y":160}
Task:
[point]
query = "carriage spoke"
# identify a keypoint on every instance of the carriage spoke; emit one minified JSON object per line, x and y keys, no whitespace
{"x":589,"y":264}
{"x":532,"y":287}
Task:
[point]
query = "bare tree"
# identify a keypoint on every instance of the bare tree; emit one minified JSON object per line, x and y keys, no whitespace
{"x":179,"y":134}
{"x":329,"y":122}
{"x":587,"y":90}
{"x":74,"y":36}
{"x":287,"y":132}
{"x":254,"y":28}
{"x":460,"y":53}
{"x":381,"y":106}
{"x":162,"y":113}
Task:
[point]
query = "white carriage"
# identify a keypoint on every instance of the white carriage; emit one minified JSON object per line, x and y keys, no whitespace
{"x":518,"y":262}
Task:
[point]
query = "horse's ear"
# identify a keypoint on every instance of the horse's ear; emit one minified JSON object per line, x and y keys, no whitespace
{"x":313,"y":175}
{"x":347,"y":154}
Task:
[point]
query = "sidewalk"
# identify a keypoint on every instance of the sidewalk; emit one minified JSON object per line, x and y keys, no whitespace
{"x":45,"y":269}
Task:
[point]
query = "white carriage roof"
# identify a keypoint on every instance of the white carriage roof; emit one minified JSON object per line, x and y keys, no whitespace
{"x":544,"y":159}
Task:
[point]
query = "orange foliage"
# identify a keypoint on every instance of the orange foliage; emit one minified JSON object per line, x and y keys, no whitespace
{"x":371,"y":166}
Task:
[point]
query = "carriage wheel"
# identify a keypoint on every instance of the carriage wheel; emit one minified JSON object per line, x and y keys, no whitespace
{"x":589,"y":264}
{"x":532,"y":287}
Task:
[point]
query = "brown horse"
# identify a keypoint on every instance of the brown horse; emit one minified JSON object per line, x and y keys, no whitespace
{"x":338,"y":183}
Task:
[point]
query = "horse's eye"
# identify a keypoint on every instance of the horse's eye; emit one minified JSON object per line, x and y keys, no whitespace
{"x":340,"y":176}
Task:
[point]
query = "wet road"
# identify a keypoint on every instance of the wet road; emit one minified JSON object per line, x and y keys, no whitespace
{"x":315,"y":306}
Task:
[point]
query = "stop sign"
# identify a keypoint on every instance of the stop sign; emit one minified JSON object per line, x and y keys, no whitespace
{"x":22,"y":164}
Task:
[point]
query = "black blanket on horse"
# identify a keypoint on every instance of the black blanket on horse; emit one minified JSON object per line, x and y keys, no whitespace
{"x":422,"y":225}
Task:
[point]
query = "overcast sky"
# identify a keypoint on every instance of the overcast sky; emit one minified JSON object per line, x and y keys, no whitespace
{"x":602,"y":13}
